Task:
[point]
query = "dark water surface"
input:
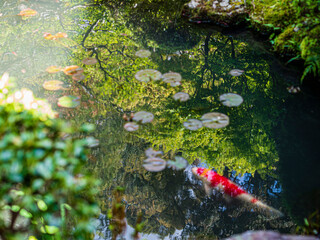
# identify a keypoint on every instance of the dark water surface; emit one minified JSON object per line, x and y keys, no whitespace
{"x":271,"y":147}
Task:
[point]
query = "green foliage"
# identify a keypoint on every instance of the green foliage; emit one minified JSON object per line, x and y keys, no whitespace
{"x":311,"y":225}
{"x":296,"y":27}
{"x":43,"y":191}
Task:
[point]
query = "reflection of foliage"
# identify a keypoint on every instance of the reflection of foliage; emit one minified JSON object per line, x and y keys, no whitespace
{"x":41,"y":178}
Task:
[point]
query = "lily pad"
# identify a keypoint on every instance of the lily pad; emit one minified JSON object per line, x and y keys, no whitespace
{"x":53,"y":85}
{"x":147,"y":75}
{"x":154,"y":164}
{"x":178,"y":164}
{"x":49,"y":36}
{"x":78,"y":77}
{"x":172,"y":78}
{"x":192,"y":124}
{"x":143,"y":53}
{"x":69,"y":101}
{"x":231,"y":99}
{"x":71,"y":70}
{"x":61,"y":35}
{"x":215,"y":120}
{"x":53,"y":69}
{"x":143,"y":117}
{"x":28,"y":12}
{"x":236,"y":72}
{"x":153,"y":153}
{"x":181,"y":96}
{"x":90,"y":61}
{"x":131,"y":126}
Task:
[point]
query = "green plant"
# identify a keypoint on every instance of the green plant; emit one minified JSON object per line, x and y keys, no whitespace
{"x":311,"y":225}
{"x":41,"y":175}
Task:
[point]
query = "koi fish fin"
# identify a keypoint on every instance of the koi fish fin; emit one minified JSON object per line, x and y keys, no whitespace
{"x":207,"y":189}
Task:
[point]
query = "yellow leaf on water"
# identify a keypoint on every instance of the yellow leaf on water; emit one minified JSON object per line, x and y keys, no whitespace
{"x":74,"y":69}
{"x":53,"y":69}
{"x":28,"y":12}
{"x":61,"y":35}
{"x":49,"y":36}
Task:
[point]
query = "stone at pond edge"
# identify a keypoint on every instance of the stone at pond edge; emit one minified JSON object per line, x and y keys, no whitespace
{"x":268,"y":235}
{"x":225,"y":13}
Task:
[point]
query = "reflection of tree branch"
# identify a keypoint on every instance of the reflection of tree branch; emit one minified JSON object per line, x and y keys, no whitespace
{"x":89,"y":31}
{"x":230,"y":38}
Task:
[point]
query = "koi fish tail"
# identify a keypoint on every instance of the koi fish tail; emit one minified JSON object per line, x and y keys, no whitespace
{"x":272,"y":212}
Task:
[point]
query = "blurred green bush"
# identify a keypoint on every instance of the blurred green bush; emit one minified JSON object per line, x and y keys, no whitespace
{"x":44,"y":192}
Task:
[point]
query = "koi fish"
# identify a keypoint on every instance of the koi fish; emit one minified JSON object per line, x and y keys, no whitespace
{"x":213,"y":180}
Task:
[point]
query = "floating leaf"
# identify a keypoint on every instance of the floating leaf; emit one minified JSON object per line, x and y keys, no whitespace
{"x":49,"y":36}
{"x":236,"y":72}
{"x":192,"y":124}
{"x":154,"y":164}
{"x":231,"y":99}
{"x":53,"y":85}
{"x":53,"y":69}
{"x":153,"y":153}
{"x":215,"y":120}
{"x":69,"y":101}
{"x":89,"y":61}
{"x":28,"y":12}
{"x":71,"y":70}
{"x":179,"y":164}
{"x":147,"y":75}
{"x":143,"y":53}
{"x":78,"y":77}
{"x":143,"y":117}
{"x":181,"y":96}
{"x":172,"y":78}
{"x":131,"y":126}
{"x":61,"y":35}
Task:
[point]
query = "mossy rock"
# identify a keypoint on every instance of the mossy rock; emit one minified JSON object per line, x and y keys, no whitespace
{"x":226,"y":13}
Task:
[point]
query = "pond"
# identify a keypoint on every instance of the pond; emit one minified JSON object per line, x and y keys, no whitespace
{"x":270,"y":147}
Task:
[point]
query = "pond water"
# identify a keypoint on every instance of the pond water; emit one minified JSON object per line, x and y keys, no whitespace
{"x":270,"y":147}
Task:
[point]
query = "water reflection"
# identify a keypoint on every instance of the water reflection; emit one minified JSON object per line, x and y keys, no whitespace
{"x":112,"y":33}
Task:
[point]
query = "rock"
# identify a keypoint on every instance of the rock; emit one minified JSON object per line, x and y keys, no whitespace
{"x":268,"y":235}
{"x":226,"y":13}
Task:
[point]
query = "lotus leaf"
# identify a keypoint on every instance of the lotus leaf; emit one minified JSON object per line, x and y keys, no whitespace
{"x":181,"y":96}
{"x":53,"y":85}
{"x":69,"y":101}
{"x":28,"y":12}
{"x":178,"y":164}
{"x":131,"y":126}
{"x":192,"y":124}
{"x":231,"y":99}
{"x":143,"y":117}
{"x":236,"y":72}
{"x":215,"y":120}
{"x":147,"y":75}
{"x":153,"y":153}
{"x":154,"y":164}
{"x":71,"y":70}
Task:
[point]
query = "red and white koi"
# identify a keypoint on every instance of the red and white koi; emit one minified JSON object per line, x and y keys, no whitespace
{"x":213,"y":180}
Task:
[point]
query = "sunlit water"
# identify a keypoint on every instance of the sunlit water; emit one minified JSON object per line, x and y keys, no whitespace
{"x":270,"y":147}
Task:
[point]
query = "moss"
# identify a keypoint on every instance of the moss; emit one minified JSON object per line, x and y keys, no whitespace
{"x":295,"y":28}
